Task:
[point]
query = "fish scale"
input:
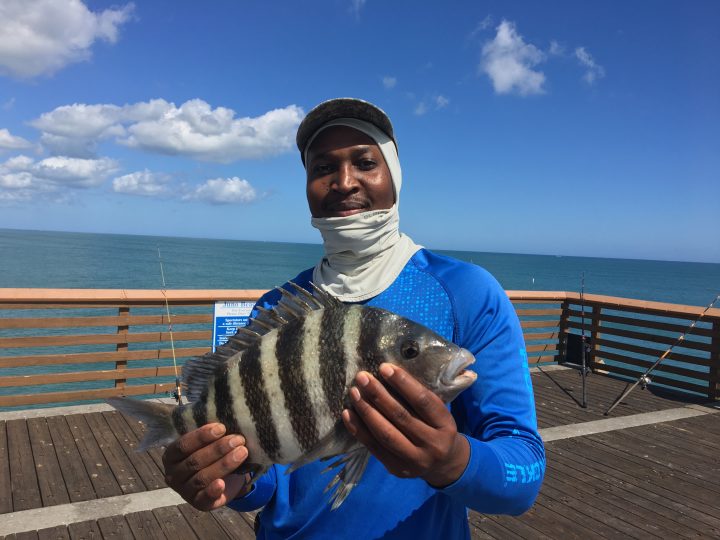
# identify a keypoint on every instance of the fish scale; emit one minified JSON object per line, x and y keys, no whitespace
{"x":282,"y":382}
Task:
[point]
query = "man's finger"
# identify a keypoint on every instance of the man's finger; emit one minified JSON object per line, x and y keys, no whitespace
{"x":192,"y":442}
{"x":206,"y":457}
{"x":227,"y":464}
{"x":359,"y":430}
{"x":428,"y":406}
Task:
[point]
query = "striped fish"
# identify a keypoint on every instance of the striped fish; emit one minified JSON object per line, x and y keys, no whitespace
{"x":283,"y":381}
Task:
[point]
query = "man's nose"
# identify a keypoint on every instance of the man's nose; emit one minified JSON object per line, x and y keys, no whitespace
{"x":345,"y":179}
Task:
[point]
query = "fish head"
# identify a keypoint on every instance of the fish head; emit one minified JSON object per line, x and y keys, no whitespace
{"x":436,"y":362}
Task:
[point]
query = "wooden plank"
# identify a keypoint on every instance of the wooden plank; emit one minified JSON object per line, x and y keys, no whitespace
{"x":202,"y":523}
{"x":5,"y":486}
{"x":97,"y":357}
{"x":173,"y":524}
{"x":104,"y":320}
{"x":117,"y":460}
{"x":540,"y":324}
{"x":151,"y":475}
{"x":233,"y":525}
{"x":588,"y":518}
{"x":83,"y":395}
{"x":85,"y":376}
{"x":646,"y":323}
{"x":26,"y":535}
{"x":144,"y":525}
{"x":49,"y":474}
{"x":663,"y":368}
{"x":102,"y":339}
{"x":687,"y":343}
{"x":138,"y":429}
{"x":639,"y":511}
{"x":85,"y":530}
{"x":23,"y":479}
{"x":77,"y":481}
{"x":115,"y":528}
{"x":59,"y":532}
{"x":615,"y":464}
{"x":101,"y":476}
{"x":538,"y":312}
{"x":536,"y":336}
{"x":488,"y":528}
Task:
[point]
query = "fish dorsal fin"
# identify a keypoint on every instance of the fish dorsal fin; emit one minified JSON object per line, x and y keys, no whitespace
{"x":197,"y":372}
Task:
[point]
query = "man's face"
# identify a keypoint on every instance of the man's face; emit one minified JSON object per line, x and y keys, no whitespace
{"x":346,"y":174}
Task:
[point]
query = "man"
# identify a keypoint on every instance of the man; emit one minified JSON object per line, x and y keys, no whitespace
{"x":431,"y":462}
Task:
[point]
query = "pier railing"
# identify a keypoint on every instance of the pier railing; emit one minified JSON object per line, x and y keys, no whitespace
{"x":65,"y":345}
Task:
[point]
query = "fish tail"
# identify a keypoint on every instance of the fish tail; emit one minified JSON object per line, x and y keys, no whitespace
{"x":157,"y":417}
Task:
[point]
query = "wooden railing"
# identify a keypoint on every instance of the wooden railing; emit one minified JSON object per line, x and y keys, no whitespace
{"x":65,"y":345}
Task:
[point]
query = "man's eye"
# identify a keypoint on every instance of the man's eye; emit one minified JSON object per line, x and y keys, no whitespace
{"x":322,"y":170}
{"x":366,"y":164}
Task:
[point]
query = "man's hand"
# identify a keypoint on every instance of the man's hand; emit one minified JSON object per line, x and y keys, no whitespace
{"x":200,"y":466}
{"x":416,"y":439}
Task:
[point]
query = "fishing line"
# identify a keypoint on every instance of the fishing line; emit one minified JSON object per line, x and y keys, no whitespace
{"x":178,"y":393}
{"x":583,"y":351}
{"x":644,"y":379}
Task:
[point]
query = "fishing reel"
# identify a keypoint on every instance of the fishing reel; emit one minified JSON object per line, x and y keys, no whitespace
{"x":645,"y":381}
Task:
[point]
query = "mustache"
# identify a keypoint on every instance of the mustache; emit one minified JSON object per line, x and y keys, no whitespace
{"x":345,"y":203}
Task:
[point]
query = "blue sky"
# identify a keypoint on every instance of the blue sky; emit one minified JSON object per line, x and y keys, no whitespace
{"x":571,"y":128}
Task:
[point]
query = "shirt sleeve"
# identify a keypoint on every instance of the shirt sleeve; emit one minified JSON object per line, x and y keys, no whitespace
{"x":260,"y":494}
{"x":497,"y":413}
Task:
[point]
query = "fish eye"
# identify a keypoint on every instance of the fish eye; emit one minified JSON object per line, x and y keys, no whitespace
{"x":410,"y":349}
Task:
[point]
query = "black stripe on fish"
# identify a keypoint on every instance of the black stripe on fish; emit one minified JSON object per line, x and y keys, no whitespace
{"x":224,"y":402}
{"x":370,"y":333}
{"x":333,"y":362}
{"x":257,"y":401}
{"x":199,"y":410}
{"x":178,"y":420}
{"x":289,"y":354}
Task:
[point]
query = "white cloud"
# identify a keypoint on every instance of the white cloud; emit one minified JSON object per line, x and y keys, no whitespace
{"x":12,"y":142}
{"x":356,"y":6}
{"x":508,"y":61}
{"x":420,"y":109}
{"x":143,"y":183}
{"x":42,"y":36}
{"x":556,"y":49}
{"x":594,"y":71}
{"x":224,"y":191}
{"x":56,"y":172}
{"x":441,"y":102}
{"x":389,"y":82}
{"x":483,"y":25}
{"x":194,"y":129}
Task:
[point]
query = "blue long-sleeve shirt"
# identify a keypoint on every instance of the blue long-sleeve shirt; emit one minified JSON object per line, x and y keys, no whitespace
{"x":465,"y":304}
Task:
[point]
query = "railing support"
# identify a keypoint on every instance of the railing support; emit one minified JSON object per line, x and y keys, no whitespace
{"x":122,"y":330}
{"x":563,"y":331}
{"x":595,"y":325}
{"x":714,"y":382}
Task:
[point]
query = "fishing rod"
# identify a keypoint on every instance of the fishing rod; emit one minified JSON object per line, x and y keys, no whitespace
{"x":178,"y":392}
{"x":644,"y":379}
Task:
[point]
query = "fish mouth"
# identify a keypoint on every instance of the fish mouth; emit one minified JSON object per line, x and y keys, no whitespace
{"x":456,"y":372}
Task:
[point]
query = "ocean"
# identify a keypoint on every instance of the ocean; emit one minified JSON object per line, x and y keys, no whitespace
{"x":109,"y":261}
{"x":78,"y":260}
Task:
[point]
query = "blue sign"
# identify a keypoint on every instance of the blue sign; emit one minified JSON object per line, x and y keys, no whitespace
{"x":229,"y":316}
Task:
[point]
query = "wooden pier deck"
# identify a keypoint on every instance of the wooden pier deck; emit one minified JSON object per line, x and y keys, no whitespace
{"x":651,"y":470}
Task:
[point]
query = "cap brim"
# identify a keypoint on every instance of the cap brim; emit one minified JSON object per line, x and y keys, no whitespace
{"x":341,"y":108}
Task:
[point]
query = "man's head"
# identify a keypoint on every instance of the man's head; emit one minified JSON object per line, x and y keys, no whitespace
{"x":350,"y":156}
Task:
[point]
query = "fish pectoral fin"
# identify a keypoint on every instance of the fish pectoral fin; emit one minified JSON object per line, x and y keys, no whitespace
{"x":353,"y":466}
{"x":337,"y":442}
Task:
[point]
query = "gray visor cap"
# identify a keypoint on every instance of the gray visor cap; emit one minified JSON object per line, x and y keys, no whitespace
{"x":341,"y":108}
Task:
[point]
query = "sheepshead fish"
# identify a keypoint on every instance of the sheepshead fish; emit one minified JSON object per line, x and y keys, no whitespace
{"x":283,"y":381}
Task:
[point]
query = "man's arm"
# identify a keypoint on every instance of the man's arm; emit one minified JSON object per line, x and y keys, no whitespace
{"x":500,"y":466}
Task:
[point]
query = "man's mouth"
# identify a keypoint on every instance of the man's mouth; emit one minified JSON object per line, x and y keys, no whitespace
{"x":346,"y":208}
